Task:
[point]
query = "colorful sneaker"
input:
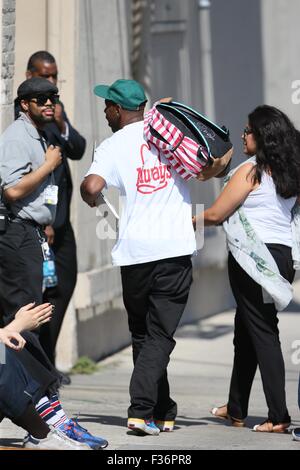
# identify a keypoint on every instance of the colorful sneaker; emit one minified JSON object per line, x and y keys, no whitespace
{"x":56,"y":440}
{"x":164,"y":426}
{"x":73,"y":430}
{"x":143,"y":426}
{"x":296,"y":434}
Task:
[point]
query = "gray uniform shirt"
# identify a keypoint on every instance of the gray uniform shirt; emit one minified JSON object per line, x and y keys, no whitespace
{"x":21,"y":152}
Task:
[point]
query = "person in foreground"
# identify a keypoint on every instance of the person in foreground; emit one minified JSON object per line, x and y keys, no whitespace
{"x":154,"y":247}
{"x":26,"y":386}
{"x":260,"y":215}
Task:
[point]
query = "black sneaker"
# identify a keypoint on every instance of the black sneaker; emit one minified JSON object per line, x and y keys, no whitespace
{"x":65,"y":378}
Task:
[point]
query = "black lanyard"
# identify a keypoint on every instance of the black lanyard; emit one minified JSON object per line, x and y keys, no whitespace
{"x":42,"y":139}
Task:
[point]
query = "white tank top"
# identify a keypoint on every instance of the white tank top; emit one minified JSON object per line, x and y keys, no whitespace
{"x":270,"y":214}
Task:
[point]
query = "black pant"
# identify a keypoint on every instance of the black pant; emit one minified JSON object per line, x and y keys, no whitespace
{"x":155,"y":295}
{"x":18,"y":388}
{"x":21,"y":281}
{"x":64,"y":249}
{"x":21,"y":268}
{"x":256,"y":341}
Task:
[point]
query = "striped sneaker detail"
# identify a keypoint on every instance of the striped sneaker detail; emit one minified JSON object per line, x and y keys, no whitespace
{"x":143,"y":426}
{"x":165,"y":426}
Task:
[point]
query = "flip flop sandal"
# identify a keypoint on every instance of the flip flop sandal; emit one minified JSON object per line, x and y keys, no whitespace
{"x":239,"y":423}
{"x":267,"y":426}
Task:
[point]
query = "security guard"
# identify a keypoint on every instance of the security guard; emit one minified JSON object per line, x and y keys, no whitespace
{"x":30,"y":193}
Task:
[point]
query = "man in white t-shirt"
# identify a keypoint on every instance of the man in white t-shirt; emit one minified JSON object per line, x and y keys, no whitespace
{"x":154,"y":247}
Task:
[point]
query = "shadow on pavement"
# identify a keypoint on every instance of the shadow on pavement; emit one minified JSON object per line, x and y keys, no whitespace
{"x":14,"y":443}
{"x":122,"y":422}
{"x":207,"y":332}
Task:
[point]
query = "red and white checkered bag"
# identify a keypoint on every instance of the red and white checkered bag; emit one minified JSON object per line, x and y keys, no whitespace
{"x":186,"y":156}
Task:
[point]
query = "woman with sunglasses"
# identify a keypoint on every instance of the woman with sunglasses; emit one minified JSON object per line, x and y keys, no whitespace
{"x":259,"y":211}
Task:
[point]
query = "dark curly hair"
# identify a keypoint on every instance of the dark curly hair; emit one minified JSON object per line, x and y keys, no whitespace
{"x":278,"y":149}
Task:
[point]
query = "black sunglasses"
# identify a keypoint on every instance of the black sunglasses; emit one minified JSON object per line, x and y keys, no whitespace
{"x":247,"y":131}
{"x":41,"y":100}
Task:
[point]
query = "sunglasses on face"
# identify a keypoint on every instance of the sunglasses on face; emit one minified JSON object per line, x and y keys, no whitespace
{"x":41,"y":100}
{"x":247,"y":131}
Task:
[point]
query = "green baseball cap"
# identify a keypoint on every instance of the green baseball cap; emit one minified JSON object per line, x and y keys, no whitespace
{"x":127,"y":93}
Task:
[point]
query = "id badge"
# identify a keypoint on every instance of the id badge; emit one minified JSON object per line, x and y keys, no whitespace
{"x":49,"y":268}
{"x":49,"y":274}
{"x":51,"y":195}
{"x":46,"y":251}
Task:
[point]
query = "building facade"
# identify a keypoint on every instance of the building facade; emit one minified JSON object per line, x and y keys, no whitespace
{"x":7,"y":47}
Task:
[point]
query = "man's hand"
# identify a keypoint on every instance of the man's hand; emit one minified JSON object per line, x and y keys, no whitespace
{"x":30,"y":317}
{"x":166,"y":100}
{"x":58,"y":118}
{"x":50,"y":234}
{"x":198,"y":222}
{"x":90,"y":189}
{"x":219,"y":165}
{"x":12,"y":339}
{"x":53,"y":157}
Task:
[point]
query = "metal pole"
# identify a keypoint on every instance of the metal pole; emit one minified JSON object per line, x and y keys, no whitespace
{"x":207,"y":77}
{"x":206,"y":58}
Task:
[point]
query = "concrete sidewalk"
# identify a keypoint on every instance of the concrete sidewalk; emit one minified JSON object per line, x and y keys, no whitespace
{"x":199,"y":375}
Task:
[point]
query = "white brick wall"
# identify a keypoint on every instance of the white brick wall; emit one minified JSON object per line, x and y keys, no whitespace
{"x":7,"y":45}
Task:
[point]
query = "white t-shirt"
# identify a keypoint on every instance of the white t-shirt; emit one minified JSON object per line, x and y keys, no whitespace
{"x":156,"y":220}
{"x":270,"y":214}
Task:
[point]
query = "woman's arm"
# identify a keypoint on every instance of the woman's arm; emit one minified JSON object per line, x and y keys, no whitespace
{"x":26,"y":318}
{"x":12,"y":339}
{"x":232,"y":196}
{"x":30,"y":317}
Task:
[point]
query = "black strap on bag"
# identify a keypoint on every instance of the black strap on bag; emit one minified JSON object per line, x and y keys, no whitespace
{"x":195,"y":125}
